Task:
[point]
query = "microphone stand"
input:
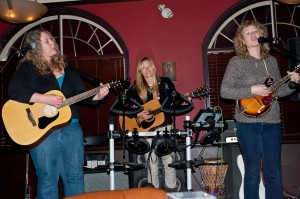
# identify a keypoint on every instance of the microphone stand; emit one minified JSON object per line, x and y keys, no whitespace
{"x":111,"y":157}
{"x":287,"y":53}
{"x":123,"y":98}
{"x":173,"y":132}
{"x":290,"y":55}
{"x":189,"y":163}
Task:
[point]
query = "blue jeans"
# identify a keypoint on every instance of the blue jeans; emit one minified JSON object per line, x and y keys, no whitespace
{"x":60,"y":154}
{"x":261,"y":141}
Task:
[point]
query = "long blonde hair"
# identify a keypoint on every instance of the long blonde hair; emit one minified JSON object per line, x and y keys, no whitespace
{"x":142,"y":86}
{"x":36,"y":54}
{"x":240,"y":48}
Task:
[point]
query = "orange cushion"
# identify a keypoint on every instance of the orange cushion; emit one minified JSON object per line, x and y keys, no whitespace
{"x":145,"y":193}
{"x":134,"y":193}
{"x":116,"y":194}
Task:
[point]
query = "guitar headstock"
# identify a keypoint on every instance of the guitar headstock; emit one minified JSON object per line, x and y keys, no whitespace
{"x":297,"y":69}
{"x":200,"y":92}
{"x":119,"y":85}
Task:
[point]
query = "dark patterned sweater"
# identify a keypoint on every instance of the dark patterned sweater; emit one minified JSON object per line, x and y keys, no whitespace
{"x":241,"y":74}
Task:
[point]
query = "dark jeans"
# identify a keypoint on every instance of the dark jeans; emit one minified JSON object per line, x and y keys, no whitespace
{"x":261,"y":141}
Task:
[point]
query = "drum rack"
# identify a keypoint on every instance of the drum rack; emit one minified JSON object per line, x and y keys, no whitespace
{"x":112,"y":134}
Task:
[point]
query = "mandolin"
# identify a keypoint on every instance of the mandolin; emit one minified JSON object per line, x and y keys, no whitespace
{"x":259,"y":105}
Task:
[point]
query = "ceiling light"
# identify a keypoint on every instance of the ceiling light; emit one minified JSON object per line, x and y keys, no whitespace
{"x":289,"y":1}
{"x":165,"y":12}
{"x":24,"y":11}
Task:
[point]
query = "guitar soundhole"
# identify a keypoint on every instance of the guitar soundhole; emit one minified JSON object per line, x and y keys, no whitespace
{"x":150,"y":119}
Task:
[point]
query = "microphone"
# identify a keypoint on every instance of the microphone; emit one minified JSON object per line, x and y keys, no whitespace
{"x":263,"y":40}
{"x":26,"y":48}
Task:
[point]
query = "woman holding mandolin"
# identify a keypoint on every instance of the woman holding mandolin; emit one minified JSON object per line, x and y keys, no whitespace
{"x":253,"y":79}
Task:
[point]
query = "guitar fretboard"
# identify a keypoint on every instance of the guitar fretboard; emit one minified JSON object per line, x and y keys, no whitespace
{"x":274,"y":86}
{"x":82,"y":96}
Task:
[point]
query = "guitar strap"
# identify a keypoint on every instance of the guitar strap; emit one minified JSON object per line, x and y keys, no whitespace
{"x":266,"y":68}
{"x":269,"y":79}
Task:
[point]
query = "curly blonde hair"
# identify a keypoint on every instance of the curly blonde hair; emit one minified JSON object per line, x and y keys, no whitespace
{"x":142,"y":86}
{"x":241,"y":48}
{"x":35,"y":56}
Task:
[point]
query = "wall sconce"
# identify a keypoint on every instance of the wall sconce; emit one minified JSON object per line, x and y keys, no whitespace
{"x":16,"y":11}
{"x":165,"y":12}
{"x":169,"y":70}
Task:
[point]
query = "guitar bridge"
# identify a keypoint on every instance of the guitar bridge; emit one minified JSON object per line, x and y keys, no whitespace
{"x":30,"y":117}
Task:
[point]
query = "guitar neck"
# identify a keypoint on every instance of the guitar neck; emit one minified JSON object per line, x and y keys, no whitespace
{"x":82,"y":96}
{"x":155,"y":111}
{"x":274,"y":86}
{"x":89,"y":93}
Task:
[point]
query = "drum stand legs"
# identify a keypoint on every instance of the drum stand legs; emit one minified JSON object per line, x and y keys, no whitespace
{"x":189,"y":162}
{"x":111,"y":157}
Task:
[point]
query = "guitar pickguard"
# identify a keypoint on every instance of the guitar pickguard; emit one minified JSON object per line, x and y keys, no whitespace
{"x":146,"y":124}
{"x":45,"y":121}
{"x":268,"y":99}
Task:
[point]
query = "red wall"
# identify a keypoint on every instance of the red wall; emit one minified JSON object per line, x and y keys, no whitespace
{"x":146,"y":32}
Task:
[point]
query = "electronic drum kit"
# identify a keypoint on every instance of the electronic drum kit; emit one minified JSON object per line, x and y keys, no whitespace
{"x":164,"y":142}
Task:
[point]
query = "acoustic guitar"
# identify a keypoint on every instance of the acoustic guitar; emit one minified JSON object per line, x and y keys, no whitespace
{"x":26,"y":124}
{"x":259,"y":105}
{"x":154,"y":107}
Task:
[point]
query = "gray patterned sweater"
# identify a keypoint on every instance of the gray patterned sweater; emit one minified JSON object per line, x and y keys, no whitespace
{"x":241,"y":74}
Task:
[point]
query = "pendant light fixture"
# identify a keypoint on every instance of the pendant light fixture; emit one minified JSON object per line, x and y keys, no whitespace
{"x":21,"y":11}
{"x":291,"y":2}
